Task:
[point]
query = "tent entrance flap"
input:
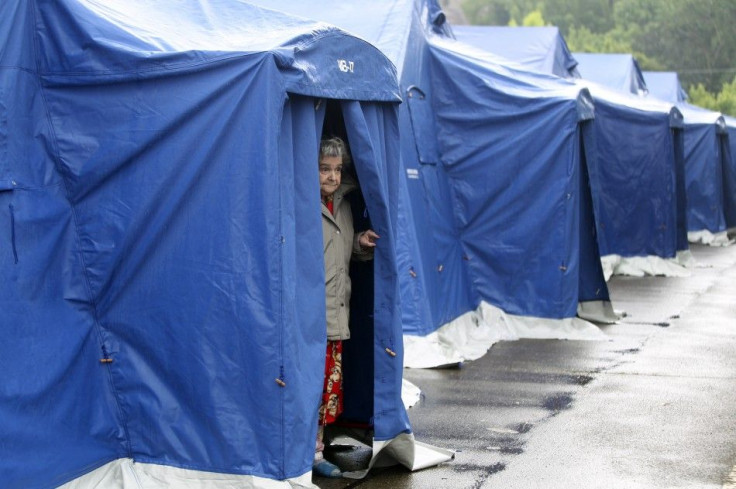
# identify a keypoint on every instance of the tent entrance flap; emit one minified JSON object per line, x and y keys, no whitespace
{"x":594,"y":303}
{"x":373,"y":356}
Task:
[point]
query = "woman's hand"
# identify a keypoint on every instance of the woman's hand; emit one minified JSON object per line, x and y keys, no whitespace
{"x":367,"y":239}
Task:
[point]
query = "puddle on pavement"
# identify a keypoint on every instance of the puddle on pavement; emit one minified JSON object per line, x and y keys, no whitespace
{"x":504,"y":431}
{"x":557,"y":402}
{"x":523,"y":427}
{"x":488,"y":469}
{"x":582,"y":379}
{"x":512,"y":450}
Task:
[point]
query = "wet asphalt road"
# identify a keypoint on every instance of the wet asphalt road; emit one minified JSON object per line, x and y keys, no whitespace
{"x":653,"y":407}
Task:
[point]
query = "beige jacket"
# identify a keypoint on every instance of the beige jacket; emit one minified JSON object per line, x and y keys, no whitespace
{"x":340,"y":245}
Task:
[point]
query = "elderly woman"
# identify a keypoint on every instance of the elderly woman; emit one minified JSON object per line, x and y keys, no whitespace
{"x":341,"y":244}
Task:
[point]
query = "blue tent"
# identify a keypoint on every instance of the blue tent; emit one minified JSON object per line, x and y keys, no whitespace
{"x":642,"y":164}
{"x":494,"y":202}
{"x":638,"y":175}
{"x":729,"y":173}
{"x":650,"y":155}
{"x":708,"y":158}
{"x":665,"y":85}
{"x":536,"y":48}
{"x":163,"y":285}
{"x":617,"y":71}
{"x":637,"y":145}
{"x":706,"y":153}
{"x":519,"y":174}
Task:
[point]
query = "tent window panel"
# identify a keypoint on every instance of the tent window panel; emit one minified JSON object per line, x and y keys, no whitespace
{"x":420,"y":112}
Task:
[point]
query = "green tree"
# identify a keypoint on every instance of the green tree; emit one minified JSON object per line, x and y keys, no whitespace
{"x":695,"y":38}
{"x":483,"y":12}
{"x":727,"y":98}
{"x":582,"y":39}
{"x":533,"y":19}
{"x":700,"y":96}
{"x":723,"y":101}
{"x":499,"y":12}
{"x":596,"y":15}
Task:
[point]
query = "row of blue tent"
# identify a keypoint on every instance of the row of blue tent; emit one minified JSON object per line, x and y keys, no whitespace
{"x":708,"y":161}
{"x":163,"y":308}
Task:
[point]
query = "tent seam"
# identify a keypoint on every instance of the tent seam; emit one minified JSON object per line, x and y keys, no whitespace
{"x":281,"y":292}
{"x":18,"y":68}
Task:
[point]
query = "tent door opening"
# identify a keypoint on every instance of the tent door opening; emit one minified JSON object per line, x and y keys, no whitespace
{"x":358,"y":364}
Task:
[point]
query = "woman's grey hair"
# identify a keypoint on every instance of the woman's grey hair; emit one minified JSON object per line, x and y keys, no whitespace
{"x":334,"y":147}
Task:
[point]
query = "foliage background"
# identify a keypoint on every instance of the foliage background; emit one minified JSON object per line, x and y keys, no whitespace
{"x":695,"y":38}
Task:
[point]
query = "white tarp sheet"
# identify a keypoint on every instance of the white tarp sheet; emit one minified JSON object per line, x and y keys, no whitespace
{"x":641,"y":266}
{"x":708,"y":238}
{"x":471,"y":335}
{"x":126,"y":474}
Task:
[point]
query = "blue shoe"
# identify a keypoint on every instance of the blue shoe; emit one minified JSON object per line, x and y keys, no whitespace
{"x":323,"y":468}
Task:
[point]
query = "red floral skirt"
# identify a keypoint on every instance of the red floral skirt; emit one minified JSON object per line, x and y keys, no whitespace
{"x":332,"y":396}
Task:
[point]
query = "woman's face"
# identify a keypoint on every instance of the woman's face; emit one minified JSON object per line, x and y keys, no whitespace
{"x":330,"y":173}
